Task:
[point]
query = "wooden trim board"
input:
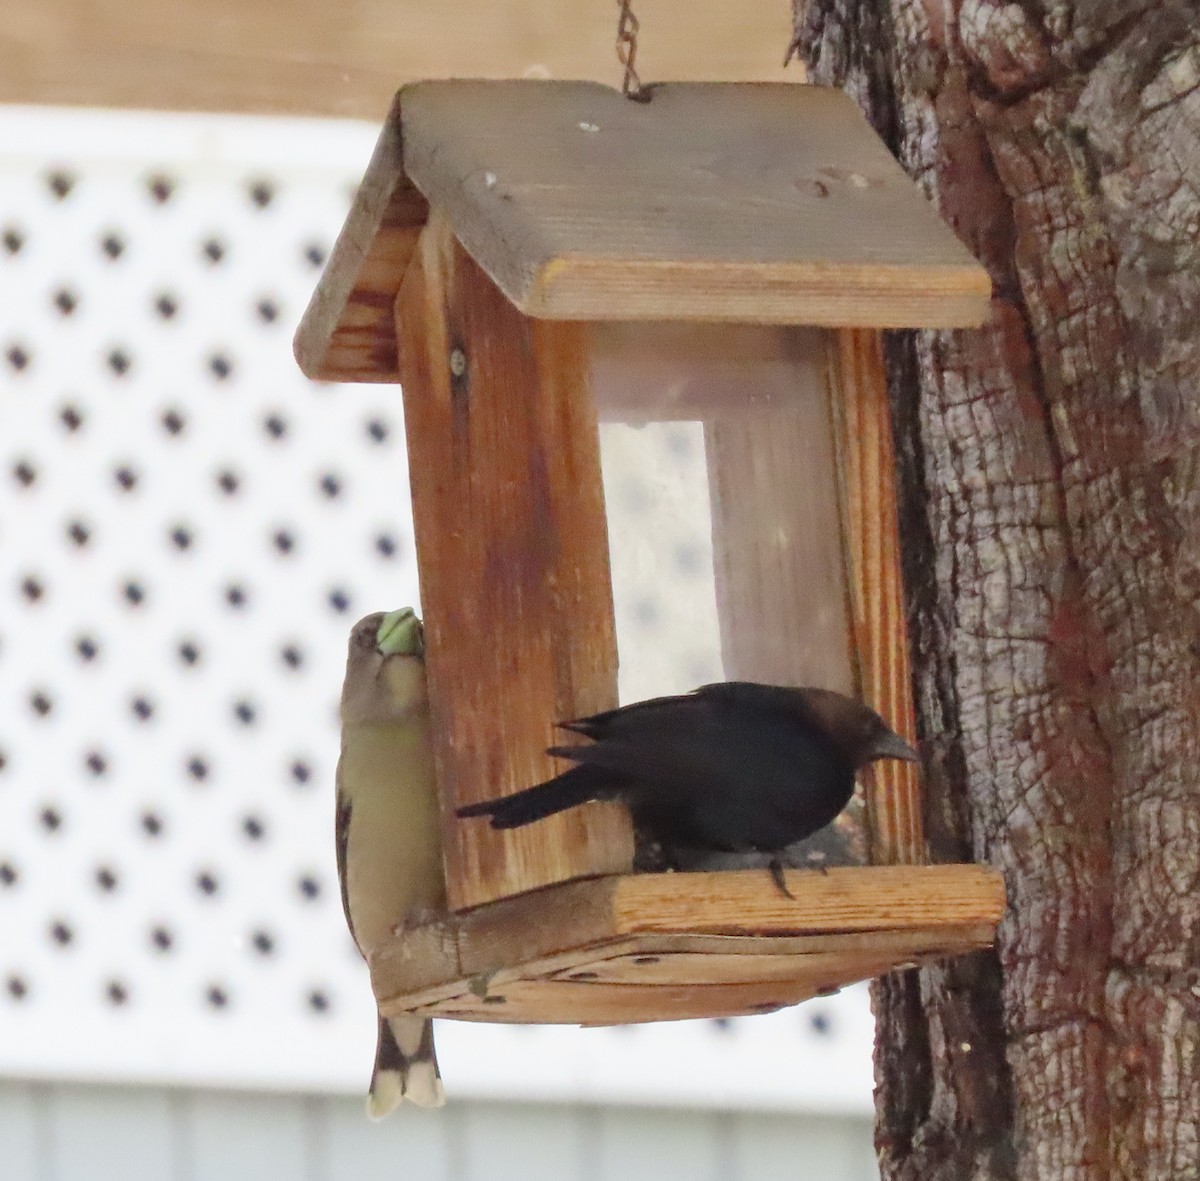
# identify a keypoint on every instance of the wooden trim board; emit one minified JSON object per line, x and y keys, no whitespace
{"x":309,"y":57}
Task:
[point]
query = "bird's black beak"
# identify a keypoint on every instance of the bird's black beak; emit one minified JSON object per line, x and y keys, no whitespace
{"x":890,"y":745}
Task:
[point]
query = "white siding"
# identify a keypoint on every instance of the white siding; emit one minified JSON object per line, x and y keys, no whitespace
{"x":106,"y":1134}
{"x":68,"y":1132}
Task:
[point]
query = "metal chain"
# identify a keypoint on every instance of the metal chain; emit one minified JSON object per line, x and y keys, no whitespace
{"x":627,"y":33}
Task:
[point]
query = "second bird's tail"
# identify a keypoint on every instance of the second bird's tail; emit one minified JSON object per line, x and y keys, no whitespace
{"x":405,"y":1067}
{"x":568,"y":790}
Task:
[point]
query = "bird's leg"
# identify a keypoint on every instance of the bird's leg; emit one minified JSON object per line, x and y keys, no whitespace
{"x":649,"y":854}
{"x":776,"y":868}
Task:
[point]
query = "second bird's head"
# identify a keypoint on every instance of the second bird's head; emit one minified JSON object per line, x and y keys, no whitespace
{"x":385,"y":666}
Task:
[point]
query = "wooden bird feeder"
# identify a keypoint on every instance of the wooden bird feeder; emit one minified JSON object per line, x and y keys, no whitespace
{"x":526,"y":259}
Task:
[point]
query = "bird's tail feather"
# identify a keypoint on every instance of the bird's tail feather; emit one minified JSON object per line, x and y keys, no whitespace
{"x":571,"y":788}
{"x":405,"y":1067}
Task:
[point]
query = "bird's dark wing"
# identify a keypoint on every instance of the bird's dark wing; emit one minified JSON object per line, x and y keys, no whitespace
{"x":659,"y":711}
{"x":718,"y":768}
{"x":596,"y":725}
{"x":622,"y":760}
{"x":342,"y":840}
{"x":682,"y":747}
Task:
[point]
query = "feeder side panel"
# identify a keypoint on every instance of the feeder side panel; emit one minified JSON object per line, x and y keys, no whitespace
{"x":512,"y":550}
{"x":867,"y":470}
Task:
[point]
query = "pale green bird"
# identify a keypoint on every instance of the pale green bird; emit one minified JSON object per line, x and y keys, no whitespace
{"x":388,"y":830}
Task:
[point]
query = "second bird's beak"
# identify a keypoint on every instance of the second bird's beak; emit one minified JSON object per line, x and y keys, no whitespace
{"x":400,"y":633}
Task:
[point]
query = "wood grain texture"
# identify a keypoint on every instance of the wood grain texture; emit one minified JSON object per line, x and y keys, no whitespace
{"x":668,"y":968}
{"x":512,"y":553}
{"x":304,"y":57}
{"x":561,"y":1002}
{"x":348,"y":330}
{"x":773,"y":204}
{"x":866,"y":470}
{"x":768,"y":204}
{"x":665,"y":946}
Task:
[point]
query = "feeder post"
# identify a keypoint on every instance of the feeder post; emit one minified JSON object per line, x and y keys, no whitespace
{"x":512,"y":550}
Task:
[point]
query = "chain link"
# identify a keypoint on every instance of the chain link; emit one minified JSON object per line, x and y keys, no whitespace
{"x":627,"y":33}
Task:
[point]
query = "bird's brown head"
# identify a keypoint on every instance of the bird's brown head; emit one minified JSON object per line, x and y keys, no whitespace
{"x":857,"y":729}
{"x":384,"y":666}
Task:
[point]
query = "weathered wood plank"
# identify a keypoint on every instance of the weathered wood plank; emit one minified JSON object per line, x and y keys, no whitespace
{"x":851,"y":899}
{"x":664,"y":946}
{"x":866,"y":471}
{"x":512,"y":550}
{"x":672,"y":969}
{"x":305,"y":57}
{"x":348,"y":332}
{"x":767,"y":204}
{"x":559,"y":1002}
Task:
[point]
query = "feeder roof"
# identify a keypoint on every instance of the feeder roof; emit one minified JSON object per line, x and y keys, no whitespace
{"x":767,"y":203}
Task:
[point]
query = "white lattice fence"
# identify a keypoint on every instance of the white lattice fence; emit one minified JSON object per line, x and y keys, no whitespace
{"x":188,"y":529}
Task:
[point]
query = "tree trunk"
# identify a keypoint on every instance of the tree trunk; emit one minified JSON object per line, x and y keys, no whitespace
{"x":1050,"y":469}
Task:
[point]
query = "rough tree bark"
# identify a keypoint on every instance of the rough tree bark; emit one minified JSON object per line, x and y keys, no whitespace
{"x":1051,"y":520}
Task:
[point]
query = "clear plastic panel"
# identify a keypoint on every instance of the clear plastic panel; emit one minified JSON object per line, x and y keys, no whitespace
{"x":660,"y":545}
{"x":725,"y":535}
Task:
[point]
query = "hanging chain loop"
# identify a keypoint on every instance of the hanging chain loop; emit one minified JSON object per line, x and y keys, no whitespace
{"x":627,"y":34}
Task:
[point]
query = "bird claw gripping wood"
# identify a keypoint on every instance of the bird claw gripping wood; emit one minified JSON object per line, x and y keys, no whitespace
{"x":776,"y":868}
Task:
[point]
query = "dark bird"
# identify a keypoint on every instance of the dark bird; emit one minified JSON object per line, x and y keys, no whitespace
{"x":735,"y":767}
